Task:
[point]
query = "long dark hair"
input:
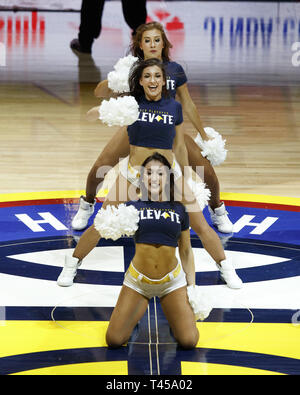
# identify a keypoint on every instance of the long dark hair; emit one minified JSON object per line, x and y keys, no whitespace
{"x":170,"y":186}
{"x":136,"y":73}
{"x":137,"y":39}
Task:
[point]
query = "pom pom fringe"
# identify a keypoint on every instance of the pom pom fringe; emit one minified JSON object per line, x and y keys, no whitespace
{"x":199,"y":302}
{"x":213,"y":149}
{"x":201,"y":193}
{"x":118,"y":79}
{"x":122,"y":111}
{"x":116,"y":222}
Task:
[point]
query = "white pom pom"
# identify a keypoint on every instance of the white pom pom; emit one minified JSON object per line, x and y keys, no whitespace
{"x":122,"y":111}
{"x":106,"y":223}
{"x":213,"y":149}
{"x":199,"y":302}
{"x":118,"y":79}
{"x":125,"y":63}
{"x":115,"y":222}
{"x":201,"y":193}
{"x":129,"y":218}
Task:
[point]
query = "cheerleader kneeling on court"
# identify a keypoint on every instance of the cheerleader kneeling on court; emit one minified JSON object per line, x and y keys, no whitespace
{"x":159,"y":224}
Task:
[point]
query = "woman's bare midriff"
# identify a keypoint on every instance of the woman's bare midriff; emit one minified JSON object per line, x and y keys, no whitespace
{"x":153,"y":260}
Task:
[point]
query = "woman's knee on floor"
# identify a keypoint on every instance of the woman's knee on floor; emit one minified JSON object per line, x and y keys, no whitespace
{"x":188,"y":340}
{"x":114,"y":339}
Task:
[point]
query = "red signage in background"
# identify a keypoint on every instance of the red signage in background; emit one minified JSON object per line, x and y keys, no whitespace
{"x":165,"y":18}
{"x":26,"y":30}
{"x":174,"y":27}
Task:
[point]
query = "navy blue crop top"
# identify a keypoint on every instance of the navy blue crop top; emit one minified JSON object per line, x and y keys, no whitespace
{"x":160,"y":222}
{"x":156,"y":124}
{"x":175,"y":77}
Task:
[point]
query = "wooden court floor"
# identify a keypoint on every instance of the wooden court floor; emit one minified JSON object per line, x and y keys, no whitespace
{"x":47,"y":144}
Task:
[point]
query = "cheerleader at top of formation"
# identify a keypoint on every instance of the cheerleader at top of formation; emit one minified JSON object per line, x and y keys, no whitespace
{"x":163,"y":138}
{"x":205,"y":149}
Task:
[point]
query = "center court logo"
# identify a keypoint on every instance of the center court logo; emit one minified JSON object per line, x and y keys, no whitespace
{"x":2,"y":55}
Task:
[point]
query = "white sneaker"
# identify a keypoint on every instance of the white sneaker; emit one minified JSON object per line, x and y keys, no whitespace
{"x":69,"y":272}
{"x":85,"y":211}
{"x":219,"y":217}
{"x":229,"y":275}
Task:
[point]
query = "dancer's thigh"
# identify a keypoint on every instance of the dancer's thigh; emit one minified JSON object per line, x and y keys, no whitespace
{"x":130,"y":308}
{"x":120,"y":192}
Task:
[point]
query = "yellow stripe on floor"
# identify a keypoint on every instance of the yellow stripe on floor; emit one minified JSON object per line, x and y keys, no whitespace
{"x":249,"y":197}
{"x":44,"y":195}
{"x":23,"y":337}
{"x":266,"y":338}
{"x":81,"y":369}
{"x":241,"y":197}
{"x":212,"y":369}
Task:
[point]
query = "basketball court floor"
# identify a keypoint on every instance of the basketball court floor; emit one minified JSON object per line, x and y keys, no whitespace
{"x":244,"y":76}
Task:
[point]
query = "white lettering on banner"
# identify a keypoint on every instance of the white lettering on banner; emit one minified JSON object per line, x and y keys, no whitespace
{"x":2,"y":55}
{"x":260,"y":228}
{"x":296,"y":56}
{"x":48,"y":218}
